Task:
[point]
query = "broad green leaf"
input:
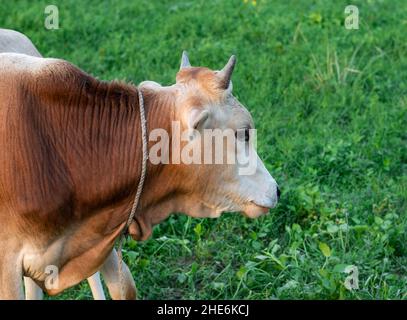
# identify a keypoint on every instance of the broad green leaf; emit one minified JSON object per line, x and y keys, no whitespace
{"x":198,"y":229}
{"x":261,"y":257}
{"x":325,"y":249}
{"x":241,"y":272}
{"x":218,"y":285}
{"x":332,"y":228}
{"x":144,"y":262}
{"x":132,"y":255}
{"x":181,"y":277}
{"x":340,"y":267}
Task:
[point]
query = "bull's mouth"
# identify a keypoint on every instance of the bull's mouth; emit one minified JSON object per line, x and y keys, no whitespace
{"x":254,"y":210}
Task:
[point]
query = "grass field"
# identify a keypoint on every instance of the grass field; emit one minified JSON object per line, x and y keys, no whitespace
{"x":330,"y":106}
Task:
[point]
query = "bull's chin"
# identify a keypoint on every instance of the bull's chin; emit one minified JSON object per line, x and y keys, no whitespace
{"x":254,"y":211}
{"x":200,"y":210}
{"x":251,"y":210}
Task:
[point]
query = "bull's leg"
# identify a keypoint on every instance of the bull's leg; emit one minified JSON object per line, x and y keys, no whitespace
{"x":32,"y":290}
{"x":11,"y":287}
{"x":110,"y":269}
{"x":110,"y":273}
{"x":96,"y":287}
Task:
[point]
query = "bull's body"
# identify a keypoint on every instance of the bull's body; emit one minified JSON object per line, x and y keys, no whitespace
{"x":70,"y":163}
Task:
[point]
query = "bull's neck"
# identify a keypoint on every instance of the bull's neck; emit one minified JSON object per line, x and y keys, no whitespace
{"x":160,"y":187}
{"x":99,"y":138}
{"x":110,"y":148}
{"x":106,"y":146}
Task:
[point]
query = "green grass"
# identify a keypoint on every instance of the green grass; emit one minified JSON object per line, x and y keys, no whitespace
{"x":330,"y":107}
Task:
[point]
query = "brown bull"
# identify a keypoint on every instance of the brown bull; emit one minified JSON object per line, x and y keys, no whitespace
{"x":70,"y":163}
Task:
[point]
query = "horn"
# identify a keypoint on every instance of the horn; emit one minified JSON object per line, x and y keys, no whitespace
{"x":184,"y":60}
{"x":226,"y":73}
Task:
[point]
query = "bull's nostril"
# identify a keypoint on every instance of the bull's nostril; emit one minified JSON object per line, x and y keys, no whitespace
{"x":278,"y":193}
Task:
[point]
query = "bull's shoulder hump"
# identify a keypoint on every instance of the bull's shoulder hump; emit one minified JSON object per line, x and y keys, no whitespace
{"x":42,"y":74}
{"x":15,"y":63}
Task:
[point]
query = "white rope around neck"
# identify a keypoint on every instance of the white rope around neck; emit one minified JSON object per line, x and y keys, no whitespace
{"x":143,"y":124}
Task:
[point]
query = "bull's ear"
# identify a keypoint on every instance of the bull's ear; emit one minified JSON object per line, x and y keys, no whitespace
{"x":197,"y":118}
{"x":184,"y":60}
{"x":226,"y":73}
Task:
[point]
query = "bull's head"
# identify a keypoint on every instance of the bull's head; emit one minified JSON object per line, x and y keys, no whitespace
{"x":206,"y":101}
{"x":203,"y":102}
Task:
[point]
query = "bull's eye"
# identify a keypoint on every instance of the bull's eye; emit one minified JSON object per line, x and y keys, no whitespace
{"x":243,"y":134}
